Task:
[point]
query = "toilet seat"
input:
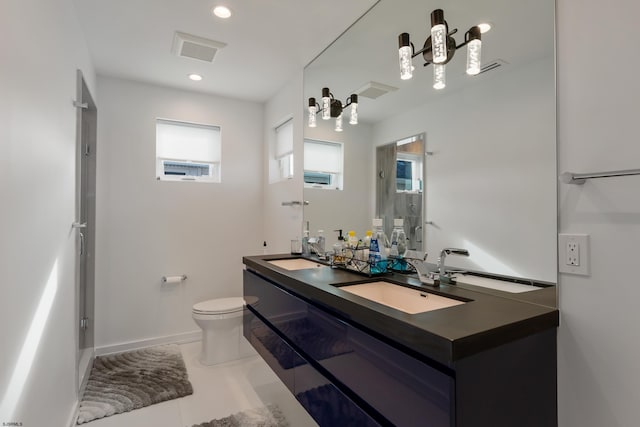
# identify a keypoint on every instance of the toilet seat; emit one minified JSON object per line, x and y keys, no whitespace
{"x":219,"y":306}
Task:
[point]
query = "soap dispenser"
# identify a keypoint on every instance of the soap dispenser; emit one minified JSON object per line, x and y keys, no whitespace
{"x":377,"y":249}
{"x":338,"y":248}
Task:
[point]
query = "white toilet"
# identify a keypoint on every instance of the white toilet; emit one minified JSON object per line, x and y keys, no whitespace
{"x":221,"y":323}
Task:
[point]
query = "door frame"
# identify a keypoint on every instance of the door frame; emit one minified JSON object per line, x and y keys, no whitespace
{"x":85,"y":213}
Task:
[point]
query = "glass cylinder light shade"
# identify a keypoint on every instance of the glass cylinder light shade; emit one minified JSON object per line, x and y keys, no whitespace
{"x":326,"y":104}
{"x":404,"y":53}
{"x":439,"y":76}
{"x":339,"y":123}
{"x":474,"y":47}
{"x":312,"y":116}
{"x":353,"y":119}
{"x":438,"y":37}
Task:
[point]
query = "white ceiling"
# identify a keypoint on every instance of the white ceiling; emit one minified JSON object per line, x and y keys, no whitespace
{"x":267,"y":40}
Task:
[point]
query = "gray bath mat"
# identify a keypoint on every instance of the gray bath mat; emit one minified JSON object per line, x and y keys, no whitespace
{"x":125,"y":381}
{"x":266,"y":416}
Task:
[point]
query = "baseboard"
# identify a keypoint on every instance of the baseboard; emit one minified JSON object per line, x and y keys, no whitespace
{"x":74,"y":414}
{"x":87,"y":360}
{"x":84,"y":377}
{"x":135,"y":345}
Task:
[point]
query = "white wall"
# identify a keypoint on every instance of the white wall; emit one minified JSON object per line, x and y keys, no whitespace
{"x":598,"y":92}
{"x":148,"y":228}
{"x":490,"y":185}
{"x":283,"y":223}
{"x":349,"y":209}
{"x":43,"y":46}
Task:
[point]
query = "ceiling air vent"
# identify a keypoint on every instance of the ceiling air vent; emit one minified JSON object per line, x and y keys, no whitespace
{"x":194,"y":47}
{"x":492,"y":65}
{"x":373,"y":90}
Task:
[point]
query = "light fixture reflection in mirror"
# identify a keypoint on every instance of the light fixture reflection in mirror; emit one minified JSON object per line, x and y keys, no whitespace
{"x":439,"y":49}
{"x":332,"y":108}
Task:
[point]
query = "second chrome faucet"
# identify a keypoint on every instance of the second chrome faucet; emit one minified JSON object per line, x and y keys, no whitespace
{"x":441,"y":275}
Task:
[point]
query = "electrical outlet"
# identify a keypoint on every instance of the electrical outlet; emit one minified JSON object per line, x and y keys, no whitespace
{"x":573,"y":254}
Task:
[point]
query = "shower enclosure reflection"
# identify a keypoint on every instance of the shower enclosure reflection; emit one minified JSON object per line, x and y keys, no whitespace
{"x":400,"y":186}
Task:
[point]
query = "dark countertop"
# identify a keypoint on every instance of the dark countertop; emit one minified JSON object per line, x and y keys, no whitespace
{"x":489,"y":319}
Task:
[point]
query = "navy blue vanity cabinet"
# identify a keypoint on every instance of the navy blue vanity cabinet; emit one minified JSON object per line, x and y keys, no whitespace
{"x":386,"y":385}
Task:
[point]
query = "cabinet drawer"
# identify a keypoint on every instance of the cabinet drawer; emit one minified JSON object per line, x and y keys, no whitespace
{"x":274,"y":350}
{"x":328,"y":406}
{"x":316,"y":333}
{"x":403,"y":389}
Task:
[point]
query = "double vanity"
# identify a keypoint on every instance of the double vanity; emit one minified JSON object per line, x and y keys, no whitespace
{"x":388,"y":350}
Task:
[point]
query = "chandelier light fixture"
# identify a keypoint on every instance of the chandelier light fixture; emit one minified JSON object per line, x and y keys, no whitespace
{"x":439,"y":49}
{"x":332,"y":108}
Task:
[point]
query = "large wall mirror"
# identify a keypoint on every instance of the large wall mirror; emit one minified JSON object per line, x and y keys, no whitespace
{"x":487,"y":181}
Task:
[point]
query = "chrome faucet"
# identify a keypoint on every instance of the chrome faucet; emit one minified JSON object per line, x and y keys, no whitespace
{"x":316,"y":244}
{"x":417,"y":261}
{"x":444,"y":275}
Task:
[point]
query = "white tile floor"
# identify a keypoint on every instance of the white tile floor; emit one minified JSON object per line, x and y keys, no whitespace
{"x":218,"y":391}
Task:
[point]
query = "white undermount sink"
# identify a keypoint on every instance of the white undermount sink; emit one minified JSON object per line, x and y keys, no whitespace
{"x":500,"y":285}
{"x":411,"y":301}
{"x":295,"y":264}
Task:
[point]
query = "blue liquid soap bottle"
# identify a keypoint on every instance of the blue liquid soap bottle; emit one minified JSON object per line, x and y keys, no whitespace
{"x":378,"y":249}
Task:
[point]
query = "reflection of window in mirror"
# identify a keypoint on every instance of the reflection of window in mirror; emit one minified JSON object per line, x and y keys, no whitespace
{"x":409,"y":164}
{"x":408,"y":173}
{"x":323,"y":164}
{"x":281,"y":164}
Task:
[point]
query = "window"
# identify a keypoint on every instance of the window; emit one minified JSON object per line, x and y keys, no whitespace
{"x":187,"y":151}
{"x":408,"y":173}
{"x":284,"y":150}
{"x":323,"y":164}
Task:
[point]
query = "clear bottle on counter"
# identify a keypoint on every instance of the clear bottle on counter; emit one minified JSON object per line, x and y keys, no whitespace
{"x":305,"y":243}
{"x":352,"y":239}
{"x":366,"y":243}
{"x":367,"y":238}
{"x":320,"y":243}
{"x":398,"y":239}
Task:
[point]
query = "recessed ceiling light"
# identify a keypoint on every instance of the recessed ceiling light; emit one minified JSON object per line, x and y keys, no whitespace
{"x":484,"y":27}
{"x":222,"y":12}
{"x":195,"y":77}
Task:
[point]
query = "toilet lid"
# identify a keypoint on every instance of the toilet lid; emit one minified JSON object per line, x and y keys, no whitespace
{"x":219,"y":305}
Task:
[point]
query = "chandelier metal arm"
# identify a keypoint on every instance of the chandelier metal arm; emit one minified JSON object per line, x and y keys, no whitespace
{"x":344,"y":106}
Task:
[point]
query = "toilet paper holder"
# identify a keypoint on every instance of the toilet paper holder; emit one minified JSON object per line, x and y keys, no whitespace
{"x":174,"y":279}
